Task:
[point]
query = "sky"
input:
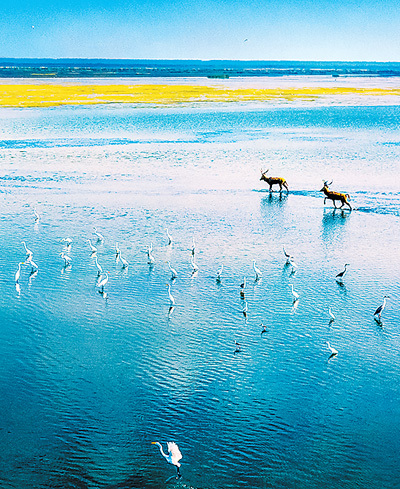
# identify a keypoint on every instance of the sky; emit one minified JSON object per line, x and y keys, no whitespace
{"x":345,"y":30}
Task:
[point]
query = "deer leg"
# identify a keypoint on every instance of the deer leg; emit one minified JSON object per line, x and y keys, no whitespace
{"x":270,"y":187}
{"x":286,"y":187}
{"x":280,"y":187}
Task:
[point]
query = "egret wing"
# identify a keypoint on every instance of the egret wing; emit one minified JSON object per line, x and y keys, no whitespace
{"x":174,"y":451}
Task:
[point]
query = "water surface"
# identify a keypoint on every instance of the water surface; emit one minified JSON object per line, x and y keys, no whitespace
{"x":87,"y":383}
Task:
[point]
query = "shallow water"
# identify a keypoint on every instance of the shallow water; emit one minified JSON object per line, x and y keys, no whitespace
{"x":87,"y":383}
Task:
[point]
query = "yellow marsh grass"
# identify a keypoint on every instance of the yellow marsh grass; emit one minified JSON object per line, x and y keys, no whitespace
{"x":44,"y":95}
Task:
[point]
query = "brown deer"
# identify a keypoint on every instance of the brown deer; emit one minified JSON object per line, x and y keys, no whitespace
{"x":334,"y":196}
{"x":274,"y":181}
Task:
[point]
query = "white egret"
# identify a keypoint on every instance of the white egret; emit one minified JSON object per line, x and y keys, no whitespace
{"x":292,"y":263}
{"x":237,"y":347}
{"x":171,"y":298}
{"x":93,"y":248}
{"x":193,"y":247}
{"x":194,"y":266}
{"x":333,"y":351}
{"x":380,"y":309}
{"x":18,"y":272}
{"x":67,"y":240}
{"x":100,"y":237}
{"x":99,"y":268}
{"x":125,"y":264}
{"x":27,"y":250}
{"x":257,"y":271}
{"x":174,"y":273}
{"x":34,"y":266}
{"x":169,"y":237}
{"x":245,"y":309}
{"x":264,"y":328}
{"x":219,"y":273}
{"x":173,"y":456}
{"x":103,"y":282}
{"x":294,"y":293}
{"x":37,"y":216}
{"x":333,"y":317}
{"x":66,"y":258}
{"x":288,"y":257}
{"x":117,"y":250}
{"x":341,"y":274}
{"x":151,"y":259}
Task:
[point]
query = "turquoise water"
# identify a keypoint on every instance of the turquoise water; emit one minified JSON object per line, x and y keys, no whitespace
{"x":88,"y":382}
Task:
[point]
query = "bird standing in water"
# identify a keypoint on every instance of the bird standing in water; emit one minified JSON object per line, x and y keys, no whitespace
{"x":257,"y":271}
{"x":380,"y":309}
{"x":333,"y":351}
{"x":294,"y":293}
{"x":340,"y":275}
{"x":18,"y":272}
{"x":173,"y":456}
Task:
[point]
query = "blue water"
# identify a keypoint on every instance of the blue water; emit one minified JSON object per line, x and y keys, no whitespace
{"x":87,"y":383}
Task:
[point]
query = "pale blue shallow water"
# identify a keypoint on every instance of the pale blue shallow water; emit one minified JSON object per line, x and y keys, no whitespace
{"x":86,"y":383}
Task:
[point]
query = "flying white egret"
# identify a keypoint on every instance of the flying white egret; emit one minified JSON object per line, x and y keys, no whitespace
{"x":103,"y":282}
{"x":66,"y":258}
{"x":257,"y":271}
{"x":169,"y":237}
{"x":27,"y":250}
{"x":174,"y":273}
{"x":100,"y":237}
{"x":171,"y":298}
{"x":37,"y":216}
{"x":333,"y":351}
{"x":125,"y":264}
{"x":294,"y":293}
{"x":93,"y":248}
{"x":380,"y":309}
{"x":333,"y":317}
{"x":99,"y":268}
{"x":340,"y":275}
{"x":173,"y":456}
{"x":219,"y":273}
{"x":18,"y":272}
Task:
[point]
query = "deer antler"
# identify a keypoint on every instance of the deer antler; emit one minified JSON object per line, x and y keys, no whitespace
{"x":264,"y":172}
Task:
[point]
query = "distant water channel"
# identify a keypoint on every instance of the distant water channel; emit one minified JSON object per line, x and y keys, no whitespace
{"x":87,"y":382}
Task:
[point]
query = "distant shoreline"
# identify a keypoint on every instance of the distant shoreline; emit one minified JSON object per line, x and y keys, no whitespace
{"x":120,"y":68}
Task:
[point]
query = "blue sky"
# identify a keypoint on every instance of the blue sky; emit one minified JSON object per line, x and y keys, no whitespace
{"x":202,"y":29}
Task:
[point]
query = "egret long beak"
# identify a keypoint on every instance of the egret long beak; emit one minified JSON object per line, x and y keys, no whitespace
{"x":154,"y":443}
